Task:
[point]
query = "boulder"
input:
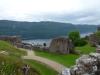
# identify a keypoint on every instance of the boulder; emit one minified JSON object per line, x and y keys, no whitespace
{"x":98,"y":49}
{"x":87,"y":65}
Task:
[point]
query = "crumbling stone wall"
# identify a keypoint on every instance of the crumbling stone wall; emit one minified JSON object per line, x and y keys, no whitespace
{"x":16,"y":41}
{"x":61,"y":45}
{"x":11,"y":39}
{"x":94,"y":40}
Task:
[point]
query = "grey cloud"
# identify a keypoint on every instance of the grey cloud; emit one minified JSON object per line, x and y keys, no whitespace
{"x":90,"y":17}
{"x":88,"y":13}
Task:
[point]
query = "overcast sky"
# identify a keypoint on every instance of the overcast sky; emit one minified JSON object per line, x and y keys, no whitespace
{"x":69,"y":11}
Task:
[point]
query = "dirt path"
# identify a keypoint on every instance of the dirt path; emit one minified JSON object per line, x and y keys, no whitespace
{"x":56,"y":66}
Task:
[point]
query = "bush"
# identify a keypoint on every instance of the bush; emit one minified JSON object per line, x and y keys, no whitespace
{"x":80,"y":42}
{"x":74,"y":35}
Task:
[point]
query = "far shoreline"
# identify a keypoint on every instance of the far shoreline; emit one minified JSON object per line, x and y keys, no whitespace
{"x":47,"y":41}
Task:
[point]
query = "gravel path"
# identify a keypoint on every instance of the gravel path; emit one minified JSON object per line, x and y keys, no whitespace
{"x":56,"y":66}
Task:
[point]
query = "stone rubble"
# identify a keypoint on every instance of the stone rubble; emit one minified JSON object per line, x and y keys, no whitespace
{"x":87,"y":65}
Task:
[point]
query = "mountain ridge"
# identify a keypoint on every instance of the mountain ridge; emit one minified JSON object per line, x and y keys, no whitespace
{"x":47,"y":22}
{"x":41,"y":30}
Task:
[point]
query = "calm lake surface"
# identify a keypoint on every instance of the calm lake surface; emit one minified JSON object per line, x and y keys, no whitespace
{"x":47,"y":41}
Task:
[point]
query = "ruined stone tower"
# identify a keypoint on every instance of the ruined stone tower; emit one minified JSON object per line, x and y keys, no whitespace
{"x":61,"y":45}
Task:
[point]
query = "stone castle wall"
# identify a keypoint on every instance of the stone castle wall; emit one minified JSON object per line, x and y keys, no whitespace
{"x":61,"y":45}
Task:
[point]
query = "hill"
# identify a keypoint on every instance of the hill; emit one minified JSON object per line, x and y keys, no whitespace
{"x":41,"y":30}
{"x":10,"y":61}
{"x":11,"y":50}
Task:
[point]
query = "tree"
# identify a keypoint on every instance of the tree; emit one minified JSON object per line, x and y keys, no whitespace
{"x":80,"y":42}
{"x":74,"y":35}
{"x":76,"y":39}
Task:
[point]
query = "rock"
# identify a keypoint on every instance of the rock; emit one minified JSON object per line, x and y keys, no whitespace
{"x":94,"y":40}
{"x":16,"y":41}
{"x":87,"y":65}
{"x":66,"y":71}
{"x":61,"y":45}
{"x":98,"y":49}
{"x":4,"y":52}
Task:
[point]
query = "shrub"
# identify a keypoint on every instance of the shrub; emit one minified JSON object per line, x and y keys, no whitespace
{"x":80,"y":42}
{"x":74,"y":35}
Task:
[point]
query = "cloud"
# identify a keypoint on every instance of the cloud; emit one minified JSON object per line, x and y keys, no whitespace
{"x":73,"y":11}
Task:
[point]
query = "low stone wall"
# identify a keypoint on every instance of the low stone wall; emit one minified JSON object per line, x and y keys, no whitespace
{"x":11,"y":39}
{"x":25,"y":45}
{"x":16,"y":41}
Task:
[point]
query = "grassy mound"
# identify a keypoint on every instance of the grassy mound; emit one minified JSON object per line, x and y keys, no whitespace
{"x":5,"y":46}
{"x":12,"y":64}
{"x":9,"y":66}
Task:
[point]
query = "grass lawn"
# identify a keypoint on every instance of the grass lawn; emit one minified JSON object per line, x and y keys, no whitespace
{"x":5,"y":46}
{"x":86,"y":49}
{"x":10,"y":66}
{"x":11,"y":63}
{"x":14,"y":53}
{"x":41,"y":68}
{"x":67,"y":60}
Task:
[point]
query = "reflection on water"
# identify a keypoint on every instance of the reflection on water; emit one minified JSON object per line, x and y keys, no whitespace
{"x":38,"y":42}
{"x":47,"y":41}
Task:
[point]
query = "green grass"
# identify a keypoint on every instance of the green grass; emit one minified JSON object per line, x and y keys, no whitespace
{"x":86,"y":49}
{"x":10,"y":66}
{"x":41,"y":68}
{"x":12,"y":63}
{"x":67,"y":60}
{"x":5,"y":46}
